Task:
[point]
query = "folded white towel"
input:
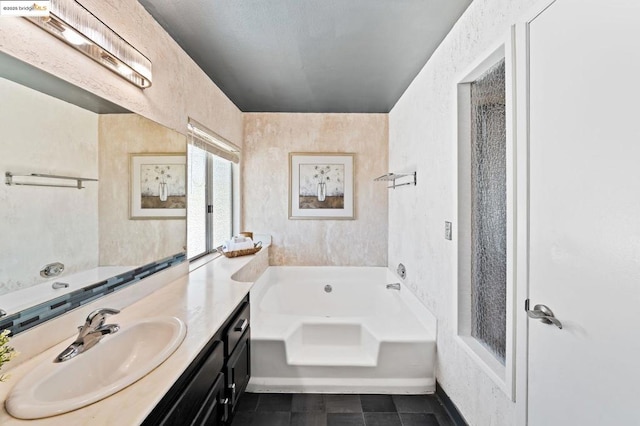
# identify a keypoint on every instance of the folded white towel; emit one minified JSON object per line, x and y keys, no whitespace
{"x":231,"y":245}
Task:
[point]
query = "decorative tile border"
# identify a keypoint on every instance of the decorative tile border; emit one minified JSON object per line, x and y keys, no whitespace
{"x":50,"y":309}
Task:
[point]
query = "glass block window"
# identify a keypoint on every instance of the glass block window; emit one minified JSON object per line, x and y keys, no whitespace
{"x":488,"y":210}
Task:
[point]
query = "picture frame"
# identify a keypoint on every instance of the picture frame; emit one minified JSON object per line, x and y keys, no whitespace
{"x":321,"y":185}
{"x":158,"y":186}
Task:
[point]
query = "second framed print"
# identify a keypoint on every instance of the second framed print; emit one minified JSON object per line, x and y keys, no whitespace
{"x":321,"y":185}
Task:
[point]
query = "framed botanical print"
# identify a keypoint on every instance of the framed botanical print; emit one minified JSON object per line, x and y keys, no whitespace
{"x":158,"y":186}
{"x":321,"y":185}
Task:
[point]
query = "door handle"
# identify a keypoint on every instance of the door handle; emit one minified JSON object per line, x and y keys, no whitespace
{"x":543,"y":313}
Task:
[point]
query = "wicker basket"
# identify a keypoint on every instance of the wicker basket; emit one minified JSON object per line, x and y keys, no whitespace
{"x":238,"y":253}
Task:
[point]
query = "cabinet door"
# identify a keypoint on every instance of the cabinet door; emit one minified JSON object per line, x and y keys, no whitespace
{"x":186,"y":409}
{"x":213,"y":411}
{"x":238,"y":369}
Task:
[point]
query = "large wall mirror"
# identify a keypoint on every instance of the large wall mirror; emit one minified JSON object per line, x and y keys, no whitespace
{"x":50,"y":127}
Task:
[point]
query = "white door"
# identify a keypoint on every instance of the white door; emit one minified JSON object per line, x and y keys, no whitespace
{"x":585,"y":213}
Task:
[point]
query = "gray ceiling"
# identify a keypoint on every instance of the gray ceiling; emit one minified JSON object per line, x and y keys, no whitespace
{"x":309,"y":55}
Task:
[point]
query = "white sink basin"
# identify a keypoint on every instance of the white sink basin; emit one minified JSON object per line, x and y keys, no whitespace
{"x":114,"y":363}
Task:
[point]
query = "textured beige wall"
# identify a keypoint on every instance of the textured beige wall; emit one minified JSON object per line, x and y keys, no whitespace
{"x":180,"y":89}
{"x":40,"y":225}
{"x":269,"y":138}
{"x":124,"y":241}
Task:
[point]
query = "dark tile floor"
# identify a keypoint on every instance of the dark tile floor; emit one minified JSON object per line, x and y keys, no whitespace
{"x":278,"y":409}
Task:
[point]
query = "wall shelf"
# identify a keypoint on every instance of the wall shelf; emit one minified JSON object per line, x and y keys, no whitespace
{"x":392,"y":177}
{"x":79,"y":180}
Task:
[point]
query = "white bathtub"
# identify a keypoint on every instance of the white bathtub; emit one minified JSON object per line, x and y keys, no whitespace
{"x":358,"y":338}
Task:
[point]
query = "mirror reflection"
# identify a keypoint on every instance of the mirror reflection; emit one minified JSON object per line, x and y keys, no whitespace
{"x":58,"y":239}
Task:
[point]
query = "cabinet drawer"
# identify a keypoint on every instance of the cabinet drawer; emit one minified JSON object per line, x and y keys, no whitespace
{"x":238,"y":326}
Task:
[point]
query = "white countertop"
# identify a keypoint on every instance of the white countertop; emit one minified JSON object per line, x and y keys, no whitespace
{"x":203,"y":299}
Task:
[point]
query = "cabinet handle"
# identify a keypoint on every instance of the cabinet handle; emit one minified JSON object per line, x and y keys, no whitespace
{"x":225,"y":409}
{"x":232,"y":388}
{"x":241,"y":325}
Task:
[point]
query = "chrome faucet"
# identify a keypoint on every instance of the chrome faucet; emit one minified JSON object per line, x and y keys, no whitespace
{"x":93,"y":330}
{"x":394,"y":286}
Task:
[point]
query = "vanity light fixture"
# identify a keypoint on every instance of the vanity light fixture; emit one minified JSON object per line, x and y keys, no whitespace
{"x":72,"y":23}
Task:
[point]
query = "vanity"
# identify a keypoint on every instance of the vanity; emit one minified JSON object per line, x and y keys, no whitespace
{"x":201,"y":382}
{"x":197,"y":400}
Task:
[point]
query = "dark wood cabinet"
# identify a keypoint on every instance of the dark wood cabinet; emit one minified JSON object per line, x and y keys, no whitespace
{"x":238,"y":369}
{"x":207,"y":392}
{"x":215,"y":409}
{"x":238,"y":362}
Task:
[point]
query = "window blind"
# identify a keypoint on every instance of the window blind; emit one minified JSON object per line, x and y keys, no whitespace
{"x":209,"y":141}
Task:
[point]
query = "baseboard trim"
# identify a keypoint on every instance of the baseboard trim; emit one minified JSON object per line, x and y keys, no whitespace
{"x":451,"y":408}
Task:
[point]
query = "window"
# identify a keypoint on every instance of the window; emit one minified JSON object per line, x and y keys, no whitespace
{"x":488,"y":210}
{"x":222,"y":196}
{"x":212,"y":169}
{"x":485,"y":218}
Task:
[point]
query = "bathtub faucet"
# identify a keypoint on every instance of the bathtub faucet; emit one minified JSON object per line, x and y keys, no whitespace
{"x":394,"y":286}
{"x":93,"y":330}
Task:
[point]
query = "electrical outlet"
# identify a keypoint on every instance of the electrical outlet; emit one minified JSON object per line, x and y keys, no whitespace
{"x":448,"y":230}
